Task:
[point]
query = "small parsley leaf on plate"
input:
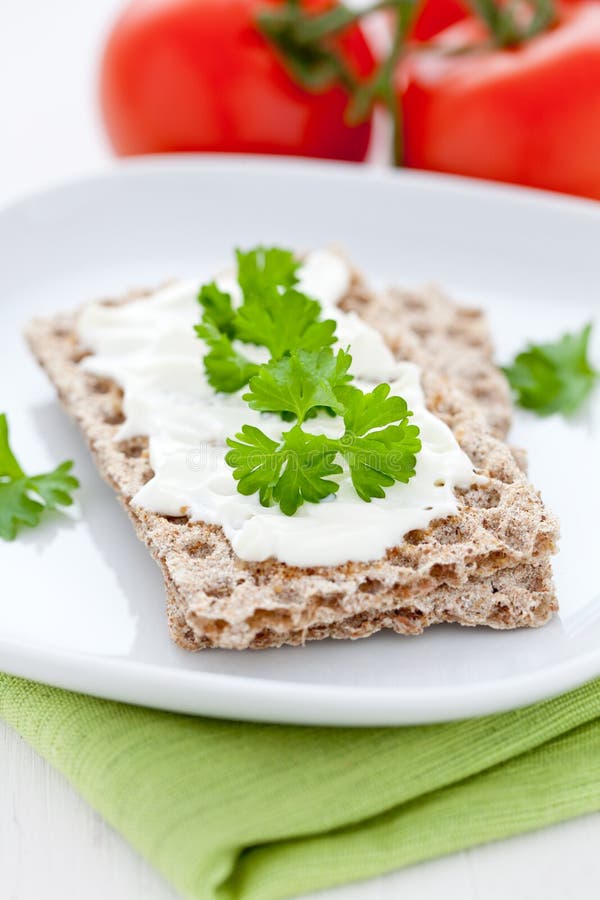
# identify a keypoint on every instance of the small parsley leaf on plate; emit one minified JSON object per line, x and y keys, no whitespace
{"x":55,"y":487}
{"x":300,"y":383}
{"x":24,"y":498}
{"x":554,"y":377}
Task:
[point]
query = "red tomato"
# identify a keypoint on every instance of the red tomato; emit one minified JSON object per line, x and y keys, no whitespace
{"x":432,"y":16}
{"x":197,"y":75}
{"x":529,"y":115}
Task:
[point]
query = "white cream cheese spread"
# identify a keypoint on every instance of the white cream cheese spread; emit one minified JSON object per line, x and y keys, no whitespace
{"x":150,"y":349}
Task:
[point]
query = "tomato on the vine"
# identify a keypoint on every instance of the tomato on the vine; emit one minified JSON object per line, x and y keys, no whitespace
{"x":528,"y":114}
{"x":195,"y":75}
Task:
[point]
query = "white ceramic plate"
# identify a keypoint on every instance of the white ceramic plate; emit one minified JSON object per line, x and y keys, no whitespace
{"x":82,"y":603}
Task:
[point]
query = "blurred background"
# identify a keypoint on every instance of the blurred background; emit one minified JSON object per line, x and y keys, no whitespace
{"x":507,"y":91}
{"x":50,"y":125}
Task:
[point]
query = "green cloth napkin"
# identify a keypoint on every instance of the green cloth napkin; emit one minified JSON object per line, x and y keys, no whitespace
{"x":235,"y":810}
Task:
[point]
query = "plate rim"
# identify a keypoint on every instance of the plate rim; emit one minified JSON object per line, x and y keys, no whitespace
{"x":286,"y":702}
{"x":265,"y":164}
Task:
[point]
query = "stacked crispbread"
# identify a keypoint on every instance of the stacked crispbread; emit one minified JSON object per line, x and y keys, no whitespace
{"x":489,"y":565}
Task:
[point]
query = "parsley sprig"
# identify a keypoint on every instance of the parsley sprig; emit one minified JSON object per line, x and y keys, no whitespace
{"x":273,"y":314}
{"x":378,"y":445}
{"x":289,"y":472}
{"x":25,"y":498}
{"x":303,"y":378}
{"x":300,"y":383}
{"x":554,"y":377}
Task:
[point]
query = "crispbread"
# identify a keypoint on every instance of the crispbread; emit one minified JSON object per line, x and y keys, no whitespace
{"x":488,"y":565}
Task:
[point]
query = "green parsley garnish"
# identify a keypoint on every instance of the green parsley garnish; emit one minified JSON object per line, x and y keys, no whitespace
{"x":378,"y":458}
{"x":266,"y":267}
{"x":303,"y":377}
{"x":287,"y":473}
{"x":283,"y":321}
{"x":551,"y":378}
{"x":218,"y":309}
{"x":378,"y":445}
{"x":299,"y":384}
{"x":273,"y":314}
{"x":24,"y":498}
{"x":226,"y":369}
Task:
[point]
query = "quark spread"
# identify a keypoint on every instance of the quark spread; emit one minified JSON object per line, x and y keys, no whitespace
{"x":149,"y":347}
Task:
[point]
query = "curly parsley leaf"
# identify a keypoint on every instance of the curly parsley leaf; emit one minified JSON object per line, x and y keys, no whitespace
{"x":218,"y":308}
{"x":226,"y":369}
{"x":263,"y":268}
{"x":55,"y":487}
{"x":273,"y":314}
{"x":256,"y":461}
{"x":23,"y":498}
{"x":378,"y":456}
{"x":306,"y":476}
{"x":554,"y":377}
{"x":379,"y":445}
{"x":283,"y":322}
{"x":17,"y":508}
{"x":300,"y":383}
{"x":298,"y":469}
{"x":379,"y":459}
{"x":364,"y":412}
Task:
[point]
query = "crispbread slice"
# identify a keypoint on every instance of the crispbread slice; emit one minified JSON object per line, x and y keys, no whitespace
{"x":487,"y":565}
{"x":511,"y":598}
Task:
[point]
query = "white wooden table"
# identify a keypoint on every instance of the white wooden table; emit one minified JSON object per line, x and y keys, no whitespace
{"x":52,"y":845}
